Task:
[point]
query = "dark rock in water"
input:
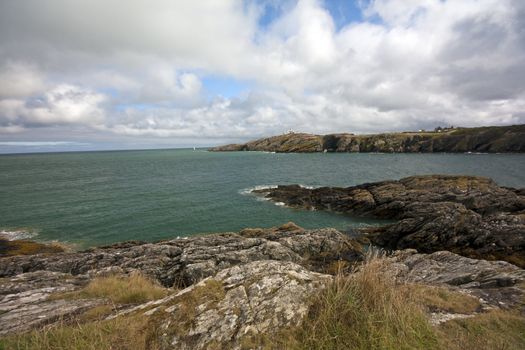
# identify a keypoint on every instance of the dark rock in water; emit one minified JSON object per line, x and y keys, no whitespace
{"x":186,"y":261}
{"x":471,"y":216}
{"x":492,"y":139}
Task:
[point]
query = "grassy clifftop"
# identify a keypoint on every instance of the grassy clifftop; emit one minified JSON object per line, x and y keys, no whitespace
{"x":491,"y":139}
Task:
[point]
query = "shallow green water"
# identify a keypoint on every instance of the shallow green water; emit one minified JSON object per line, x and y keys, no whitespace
{"x":101,"y":197}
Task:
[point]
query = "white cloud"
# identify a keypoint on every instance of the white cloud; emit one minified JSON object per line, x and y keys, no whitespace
{"x":134,"y":68}
{"x":63,"y":104}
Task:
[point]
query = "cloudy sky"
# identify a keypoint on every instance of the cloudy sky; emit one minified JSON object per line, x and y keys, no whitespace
{"x":116,"y":74}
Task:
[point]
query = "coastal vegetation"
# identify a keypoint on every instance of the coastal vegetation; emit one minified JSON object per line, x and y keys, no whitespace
{"x":367,"y":308}
{"x":496,"y":139}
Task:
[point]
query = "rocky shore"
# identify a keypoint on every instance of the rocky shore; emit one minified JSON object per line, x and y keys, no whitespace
{"x":239,"y":285}
{"x":458,"y":140}
{"x":467,"y":215}
{"x":236,"y":290}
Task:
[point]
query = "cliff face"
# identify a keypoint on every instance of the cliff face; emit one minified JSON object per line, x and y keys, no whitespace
{"x":485,"y":139}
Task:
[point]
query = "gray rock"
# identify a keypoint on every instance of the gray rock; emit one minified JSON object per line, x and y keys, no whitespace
{"x":186,"y":261}
{"x":249,"y":301}
{"x":25,"y":300}
{"x":496,"y":283}
{"x":472,"y":216}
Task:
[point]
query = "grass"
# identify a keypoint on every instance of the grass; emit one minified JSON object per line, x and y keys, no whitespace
{"x":133,"y":289}
{"x":365,"y":310}
{"x":443,"y":299}
{"x":501,"y":330}
{"x":123,"y":333}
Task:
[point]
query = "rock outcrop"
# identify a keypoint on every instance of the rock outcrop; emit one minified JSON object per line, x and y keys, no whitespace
{"x":183,"y":262}
{"x":485,"y":139}
{"x":471,"y":216}
{"x":240,"y":288}
{"x":497,"y":284}
{"x":237,"y":306}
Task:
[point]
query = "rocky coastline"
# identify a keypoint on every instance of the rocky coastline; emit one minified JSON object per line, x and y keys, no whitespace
{"x":463,"y":235}
{"x":467,"y":215}
{"x":493,"y":139}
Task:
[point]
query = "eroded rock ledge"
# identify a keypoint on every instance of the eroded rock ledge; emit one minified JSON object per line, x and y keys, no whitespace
{"x":235,"y":287}
{"x":471,"y":216}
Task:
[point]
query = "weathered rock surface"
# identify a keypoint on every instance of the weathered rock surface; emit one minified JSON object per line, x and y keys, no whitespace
{"x":485,"y":139}
{"x":186,"y":261}
{"x":236,"y":306}
{"x":497,"y":283}
{"x":242,"y":304}
{"x":239,"y":292}
{"x":29,"y":281}
{"x":472,"y":216}
{"x":25,"y":301}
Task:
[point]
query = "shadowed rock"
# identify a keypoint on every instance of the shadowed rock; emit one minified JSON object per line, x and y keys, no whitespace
{"x":186,"y":261}
{"x":472,"y":216}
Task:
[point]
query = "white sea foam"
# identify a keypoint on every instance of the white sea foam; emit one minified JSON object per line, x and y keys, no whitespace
{"x":250,"y":190}
{"x":13,"y":235}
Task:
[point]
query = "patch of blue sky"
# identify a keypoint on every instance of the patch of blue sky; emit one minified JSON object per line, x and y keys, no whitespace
{"x":228,"y":87}
{"x":344,"y":12}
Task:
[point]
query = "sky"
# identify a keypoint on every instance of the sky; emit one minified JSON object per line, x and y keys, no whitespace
{"x":134,"y":74}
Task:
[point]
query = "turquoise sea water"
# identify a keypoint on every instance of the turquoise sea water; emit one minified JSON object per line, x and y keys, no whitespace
{"x":94,"y":198}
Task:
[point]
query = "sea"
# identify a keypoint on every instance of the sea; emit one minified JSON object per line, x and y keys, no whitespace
{"x":96,"y":198}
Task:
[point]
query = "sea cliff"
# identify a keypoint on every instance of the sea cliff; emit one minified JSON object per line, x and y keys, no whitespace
{"x":494,"y":139}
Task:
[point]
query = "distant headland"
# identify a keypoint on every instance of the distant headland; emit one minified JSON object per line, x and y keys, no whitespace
{"x":489,"y":139}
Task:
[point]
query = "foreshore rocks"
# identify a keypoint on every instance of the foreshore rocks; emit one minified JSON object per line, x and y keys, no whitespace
{"x":471,"y":216}
{"x":486,"y":139}
{"x":235,"y":289}
{"x":183,"y":262}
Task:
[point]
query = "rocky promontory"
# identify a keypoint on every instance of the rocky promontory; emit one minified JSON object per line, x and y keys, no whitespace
{"x":467,"y":215}
{"x":493,"y":139}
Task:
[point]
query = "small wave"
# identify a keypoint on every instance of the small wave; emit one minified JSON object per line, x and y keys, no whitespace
{"x":13,"y":235}
{"x":250,"y":190}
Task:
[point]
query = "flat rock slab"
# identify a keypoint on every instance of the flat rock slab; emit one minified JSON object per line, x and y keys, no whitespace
{"x":25,"y":301}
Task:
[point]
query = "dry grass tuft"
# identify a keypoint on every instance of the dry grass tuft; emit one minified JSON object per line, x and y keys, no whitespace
{"x":365,"y":310}
{"x":443,"y":299}
{"x":498,"y":330}
{"x":132,"y":289}
{"x":124,"y":333}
